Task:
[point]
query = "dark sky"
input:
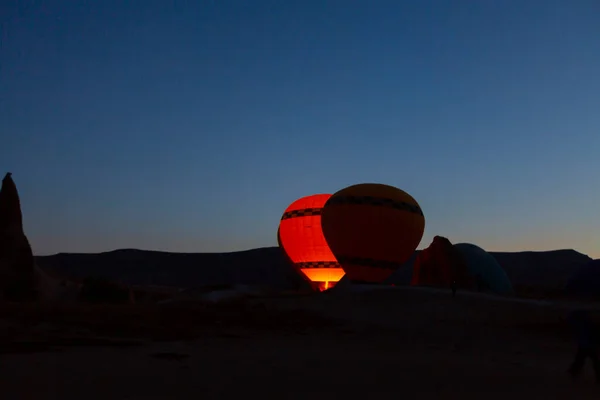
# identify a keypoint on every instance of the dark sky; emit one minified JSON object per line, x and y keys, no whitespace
{"x":191,"y":125}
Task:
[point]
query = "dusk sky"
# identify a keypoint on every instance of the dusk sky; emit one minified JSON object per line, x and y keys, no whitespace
{"x":192,"y":125}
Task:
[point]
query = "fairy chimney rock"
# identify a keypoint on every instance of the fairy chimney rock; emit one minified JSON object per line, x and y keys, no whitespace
{"x":17,"y":276}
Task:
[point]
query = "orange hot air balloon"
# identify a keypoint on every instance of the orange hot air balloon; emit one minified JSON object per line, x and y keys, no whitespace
{"x":301,"y":237}
{"x":372,"y":229}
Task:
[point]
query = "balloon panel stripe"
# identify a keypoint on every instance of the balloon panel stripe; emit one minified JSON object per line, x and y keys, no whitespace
{"x":306,"y":212}
{"x":375,"y":201}
{"x":368,"y":262}
{"x":318,"y":264}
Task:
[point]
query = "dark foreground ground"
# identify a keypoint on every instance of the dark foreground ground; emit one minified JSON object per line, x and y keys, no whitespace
{"x":379,"y":345}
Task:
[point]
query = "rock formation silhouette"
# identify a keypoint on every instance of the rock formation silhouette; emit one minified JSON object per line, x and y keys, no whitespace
{"x":17,"y":265}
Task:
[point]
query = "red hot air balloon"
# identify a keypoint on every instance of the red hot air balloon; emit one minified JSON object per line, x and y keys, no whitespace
{"x":372,"y":229}
{"x":301,"y":238}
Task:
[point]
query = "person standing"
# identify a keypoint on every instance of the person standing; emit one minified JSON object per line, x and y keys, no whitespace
{"x":587,"y":343}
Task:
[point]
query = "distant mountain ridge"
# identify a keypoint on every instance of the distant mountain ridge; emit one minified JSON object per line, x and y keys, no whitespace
{"x":263,"y":267}
{"x":541,"y":268}
{"x":267,"y":266}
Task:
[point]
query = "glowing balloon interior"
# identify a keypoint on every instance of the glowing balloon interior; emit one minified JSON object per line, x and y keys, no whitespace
{"x":301,"y":237}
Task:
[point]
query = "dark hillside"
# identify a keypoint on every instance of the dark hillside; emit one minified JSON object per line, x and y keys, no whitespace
{"x":547,"y":270}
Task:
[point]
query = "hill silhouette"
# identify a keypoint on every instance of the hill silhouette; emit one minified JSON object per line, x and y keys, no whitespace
{"x":268,"y":267}
{"x":261,"y":267}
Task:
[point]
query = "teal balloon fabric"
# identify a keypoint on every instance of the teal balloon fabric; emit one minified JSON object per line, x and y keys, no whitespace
{"x":487,"y":272}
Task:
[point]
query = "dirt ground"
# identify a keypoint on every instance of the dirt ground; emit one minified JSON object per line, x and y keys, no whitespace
{"x":393,"y":344}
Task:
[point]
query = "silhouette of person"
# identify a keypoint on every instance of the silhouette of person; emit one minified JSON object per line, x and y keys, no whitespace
{"x":587,"y":343}
{"x":453,"y":288}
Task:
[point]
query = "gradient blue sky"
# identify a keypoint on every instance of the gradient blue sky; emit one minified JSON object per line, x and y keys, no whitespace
{"x":191,"y":125}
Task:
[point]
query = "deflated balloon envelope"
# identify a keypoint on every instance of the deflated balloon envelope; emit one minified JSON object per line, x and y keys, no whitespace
{"x":441,"y":265}
{"x":484,"y":268}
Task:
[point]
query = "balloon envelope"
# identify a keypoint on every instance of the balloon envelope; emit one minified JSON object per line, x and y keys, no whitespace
{"x":301,"y":237}
{"x":372,"y":229}
{"x":439,"y":265}
{"x":485,"y":269}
